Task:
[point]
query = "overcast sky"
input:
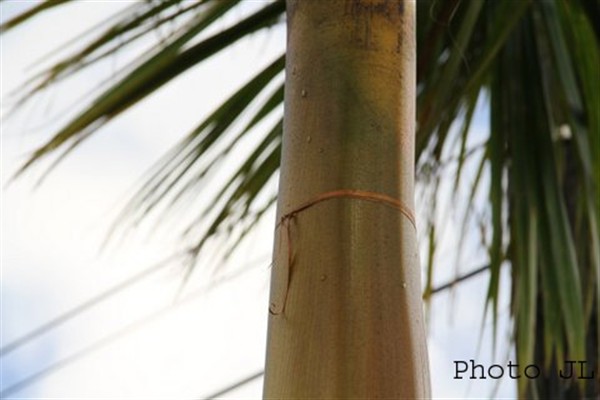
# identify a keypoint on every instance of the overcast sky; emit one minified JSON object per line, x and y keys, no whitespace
{"x":52,"y":235}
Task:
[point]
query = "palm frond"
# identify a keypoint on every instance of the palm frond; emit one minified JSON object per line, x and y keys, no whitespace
{"x":29,"y":14}
{"x":177,"y":180}
{"x":161,"y":68}
{"x":543,"y":188}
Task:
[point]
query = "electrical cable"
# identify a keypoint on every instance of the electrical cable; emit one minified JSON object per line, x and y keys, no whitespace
{"x":86,"y":305}
{"x":112,"y":337}
{"x":236,"y":385}
{"x":20,"y":385}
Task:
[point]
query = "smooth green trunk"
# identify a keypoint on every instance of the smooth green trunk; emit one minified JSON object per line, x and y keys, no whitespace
{"x":346,"y":312}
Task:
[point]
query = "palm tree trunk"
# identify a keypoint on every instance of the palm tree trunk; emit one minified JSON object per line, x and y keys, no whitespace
{"x":346,"y":313}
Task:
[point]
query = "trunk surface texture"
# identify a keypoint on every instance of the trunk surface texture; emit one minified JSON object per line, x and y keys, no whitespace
{"x":346,"y":318}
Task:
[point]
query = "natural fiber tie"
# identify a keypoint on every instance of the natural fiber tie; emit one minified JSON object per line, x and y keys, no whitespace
{"x":343,"y":193}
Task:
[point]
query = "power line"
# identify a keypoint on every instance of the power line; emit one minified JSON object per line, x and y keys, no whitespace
{"x":20,"y":385}
{"x":110,"y":338}
{"x":86,"y":305}
{"x":460,"y":279}
{"x":234,"y":386}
